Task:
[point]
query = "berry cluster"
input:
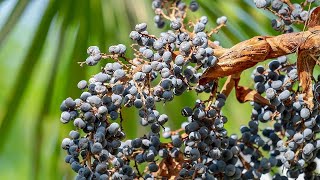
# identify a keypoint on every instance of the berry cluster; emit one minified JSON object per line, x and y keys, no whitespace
{"x":288,"y":13}
{"x":289,"y":126}
{"x":167,"y":66}
{"x":166,"y":10}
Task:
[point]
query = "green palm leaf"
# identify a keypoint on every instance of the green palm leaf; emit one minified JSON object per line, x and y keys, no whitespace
{"x":13,"y":19}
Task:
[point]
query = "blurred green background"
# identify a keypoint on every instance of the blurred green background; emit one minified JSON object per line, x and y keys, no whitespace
{"x":41,"y":42}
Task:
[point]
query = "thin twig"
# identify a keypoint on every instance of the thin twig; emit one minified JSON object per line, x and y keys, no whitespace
{"x":121,"y":120}
{"x":216,"y":29}
{"x":137,"y":168}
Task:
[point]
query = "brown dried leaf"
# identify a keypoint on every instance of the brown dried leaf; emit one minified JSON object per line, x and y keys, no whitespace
{"x":230,"y":83}
{"x":314,"y":19}
{"x":238,"y":58}
{"x":245,"y":94}
{"x":248,"y":53}
{"x":305,"y":65}
{"x":170,"y":167}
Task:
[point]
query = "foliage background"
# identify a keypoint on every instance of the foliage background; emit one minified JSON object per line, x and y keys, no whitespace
{"x":41,"y":42}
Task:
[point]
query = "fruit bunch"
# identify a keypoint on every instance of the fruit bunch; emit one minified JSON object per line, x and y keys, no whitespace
{"x":280,"y":134}
{"x":287,"y":13}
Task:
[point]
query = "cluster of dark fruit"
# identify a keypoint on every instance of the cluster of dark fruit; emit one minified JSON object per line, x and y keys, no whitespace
{"x":289,"y":127}
{"x":165,"y":67}
{"x":162,"y":8}
{"x":288,"y":13}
